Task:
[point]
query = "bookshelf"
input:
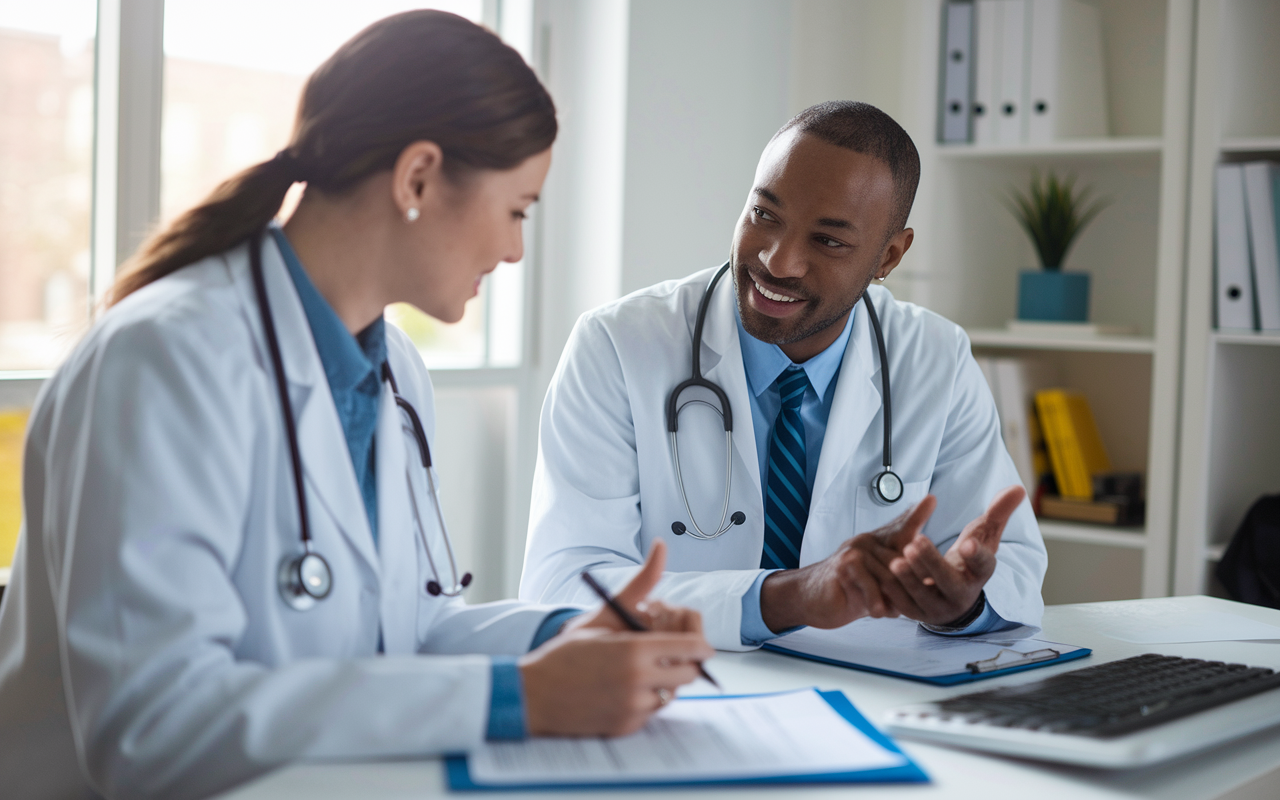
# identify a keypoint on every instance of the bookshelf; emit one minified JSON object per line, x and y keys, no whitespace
{"x":1263,"y":145}
{"x":1230,"y":433}
{"x":1134,"y":252}
{"x":1062,"y":152}
{"x":998,"y":338}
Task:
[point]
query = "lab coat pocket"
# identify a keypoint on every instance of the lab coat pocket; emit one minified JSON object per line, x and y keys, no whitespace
{"x":869,"y":513}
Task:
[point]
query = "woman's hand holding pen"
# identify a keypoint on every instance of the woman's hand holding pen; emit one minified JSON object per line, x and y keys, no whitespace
{"x":652,"y":614}
{"x":599,"y":678}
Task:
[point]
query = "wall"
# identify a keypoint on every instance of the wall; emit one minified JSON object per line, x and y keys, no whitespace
{"x":664,"y":108}
{"x":709,"y":83}
{"x":847,"y":50}
{"x":868,"y":50}
{"x":583,"y":57}
{"x":706,"y":89}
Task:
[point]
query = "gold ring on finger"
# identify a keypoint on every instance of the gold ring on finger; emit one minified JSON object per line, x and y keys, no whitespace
{"x":664,"y":697}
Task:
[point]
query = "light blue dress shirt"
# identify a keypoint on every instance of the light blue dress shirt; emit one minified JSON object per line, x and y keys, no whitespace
{"x":352,"y":365}
{"x":763,"y":363}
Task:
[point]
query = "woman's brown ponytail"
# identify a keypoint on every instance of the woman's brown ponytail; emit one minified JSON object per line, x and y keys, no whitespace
{"x":420,"y":75}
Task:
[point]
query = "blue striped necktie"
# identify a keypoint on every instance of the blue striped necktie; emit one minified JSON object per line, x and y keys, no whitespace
{"x":786,"y":504}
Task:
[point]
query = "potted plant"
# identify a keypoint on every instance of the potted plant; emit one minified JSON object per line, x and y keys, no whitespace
{"x":1053,"y":213}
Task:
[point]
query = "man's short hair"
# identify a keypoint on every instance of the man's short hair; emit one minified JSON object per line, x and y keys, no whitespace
{"x":863,"y":128}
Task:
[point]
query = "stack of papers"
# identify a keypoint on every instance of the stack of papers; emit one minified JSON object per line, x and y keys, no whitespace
{"x":1142,"y":624}
{"x":805,"y":736}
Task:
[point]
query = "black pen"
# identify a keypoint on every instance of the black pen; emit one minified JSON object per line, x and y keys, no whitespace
{"x":630,"y":621}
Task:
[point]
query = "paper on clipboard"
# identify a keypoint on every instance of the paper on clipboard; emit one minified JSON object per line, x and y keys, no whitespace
{"x":901,"y":646}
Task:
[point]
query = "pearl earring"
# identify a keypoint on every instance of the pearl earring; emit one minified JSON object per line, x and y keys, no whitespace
{"x":880,"y":278}
{"x":411,"y":215}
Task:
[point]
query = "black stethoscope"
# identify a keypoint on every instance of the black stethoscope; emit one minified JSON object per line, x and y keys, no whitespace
{"x":886,"y":486}
{"x":306,"y":578}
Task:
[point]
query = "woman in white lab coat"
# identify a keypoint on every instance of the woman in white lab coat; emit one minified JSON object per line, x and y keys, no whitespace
{"x":147,"y":647}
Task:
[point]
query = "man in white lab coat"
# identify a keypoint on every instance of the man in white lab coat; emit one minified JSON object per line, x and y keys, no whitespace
{"x":795,"y":352}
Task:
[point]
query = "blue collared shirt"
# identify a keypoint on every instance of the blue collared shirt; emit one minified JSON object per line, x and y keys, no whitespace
{"x":763,"y":363}
{"x":352,"y":367}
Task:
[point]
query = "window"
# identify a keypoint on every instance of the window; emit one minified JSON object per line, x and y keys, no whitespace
{"x":230,"y":94}
{"x":46,"y":160}
{"x":233,"y":70}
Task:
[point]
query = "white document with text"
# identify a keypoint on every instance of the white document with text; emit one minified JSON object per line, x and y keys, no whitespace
{"x":697,"y":739}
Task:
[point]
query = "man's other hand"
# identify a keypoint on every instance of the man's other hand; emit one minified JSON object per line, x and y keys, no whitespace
{"x":847,"y":584}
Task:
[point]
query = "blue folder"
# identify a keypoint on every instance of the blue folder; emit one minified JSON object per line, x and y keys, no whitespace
{"x":459,"y":776}
{"x":937,"y":680}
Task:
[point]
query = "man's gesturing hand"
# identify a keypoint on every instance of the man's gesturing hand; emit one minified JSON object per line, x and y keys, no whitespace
{"x":845,"y":585}
{"x":598,"y":679}
{"x":937,"y":589}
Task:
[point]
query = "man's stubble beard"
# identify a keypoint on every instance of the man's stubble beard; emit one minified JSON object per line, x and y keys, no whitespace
{"x":768,"y":333}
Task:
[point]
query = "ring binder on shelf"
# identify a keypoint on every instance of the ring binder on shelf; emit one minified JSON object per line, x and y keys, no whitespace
{"x":957,"y":74}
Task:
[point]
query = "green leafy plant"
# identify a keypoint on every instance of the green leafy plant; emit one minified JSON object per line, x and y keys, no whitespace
{"x":1053,"y":213}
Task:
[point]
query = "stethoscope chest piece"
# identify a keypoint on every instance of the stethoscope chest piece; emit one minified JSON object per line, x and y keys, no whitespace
{"x":304,"y":580}
{"x":886,"y":487}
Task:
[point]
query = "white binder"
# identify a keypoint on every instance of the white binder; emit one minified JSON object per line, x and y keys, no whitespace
{"x":1261,"y":184}
{"x":986,"y":69}
{"x":957,"y":73}
{"x":1017,"y":380}
{"x":1233,"y":284}
{"x":1067,"y":96}
{"x":1011,"y":117}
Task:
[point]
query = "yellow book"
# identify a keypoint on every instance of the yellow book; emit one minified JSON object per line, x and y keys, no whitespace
{"x":12,"y":426}
{"x":1071,"y":437}
{"x":1039,"y":458}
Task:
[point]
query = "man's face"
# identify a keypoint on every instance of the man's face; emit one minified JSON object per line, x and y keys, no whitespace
{"x":812,"y":236}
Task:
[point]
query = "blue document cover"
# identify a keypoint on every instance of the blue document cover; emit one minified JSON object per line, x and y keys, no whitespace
{"x":937,"y":680}
{"x":459,"y":775}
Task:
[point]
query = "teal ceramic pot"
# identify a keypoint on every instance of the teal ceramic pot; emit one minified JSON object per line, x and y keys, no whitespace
{"x":1053,"y":296}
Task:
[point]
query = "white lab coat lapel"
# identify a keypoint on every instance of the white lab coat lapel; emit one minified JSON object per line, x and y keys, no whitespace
{"x":326,"y":461}
{"x":854,"y":406}
{"x":396,"y":527}
{"x":722,"y":363}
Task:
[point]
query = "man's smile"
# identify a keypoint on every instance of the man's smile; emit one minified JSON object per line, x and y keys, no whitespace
{"x":781,"y":298}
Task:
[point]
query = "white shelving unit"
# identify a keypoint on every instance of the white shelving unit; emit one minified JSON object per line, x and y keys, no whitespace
{"x":981,"y":337}
{"x":1065,"y":150}
{"x":1108,"y":536}
{"x":1134,"y":252}
{"x":1229,"y":448}
{"x":1250,"y":144}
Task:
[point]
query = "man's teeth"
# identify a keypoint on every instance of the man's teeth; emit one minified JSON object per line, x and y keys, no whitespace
{"x":781,"y":298}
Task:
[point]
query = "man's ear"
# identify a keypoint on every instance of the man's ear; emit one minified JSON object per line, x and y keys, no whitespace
{"x":894,"y":250}
{"x":418,"y":171}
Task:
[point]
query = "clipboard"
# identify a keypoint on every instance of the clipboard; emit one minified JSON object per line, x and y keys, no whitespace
{"x":459,"y":777}
{"x":903,"y":650}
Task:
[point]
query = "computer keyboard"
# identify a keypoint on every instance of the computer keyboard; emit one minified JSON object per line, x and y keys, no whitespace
{"x":1113,"y":699}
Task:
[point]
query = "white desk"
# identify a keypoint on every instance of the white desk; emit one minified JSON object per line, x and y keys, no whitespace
{"x":1243,"y":770}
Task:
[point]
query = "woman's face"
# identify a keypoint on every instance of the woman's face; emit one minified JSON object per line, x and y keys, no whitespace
{"x":465,"y":230}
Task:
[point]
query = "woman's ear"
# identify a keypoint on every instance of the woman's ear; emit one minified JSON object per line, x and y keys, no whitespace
{"x":418,"y":173}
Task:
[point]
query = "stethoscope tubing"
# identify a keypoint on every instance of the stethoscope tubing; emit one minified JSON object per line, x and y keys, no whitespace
{"x":886,"y":478}
{"x":298,"y":592}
